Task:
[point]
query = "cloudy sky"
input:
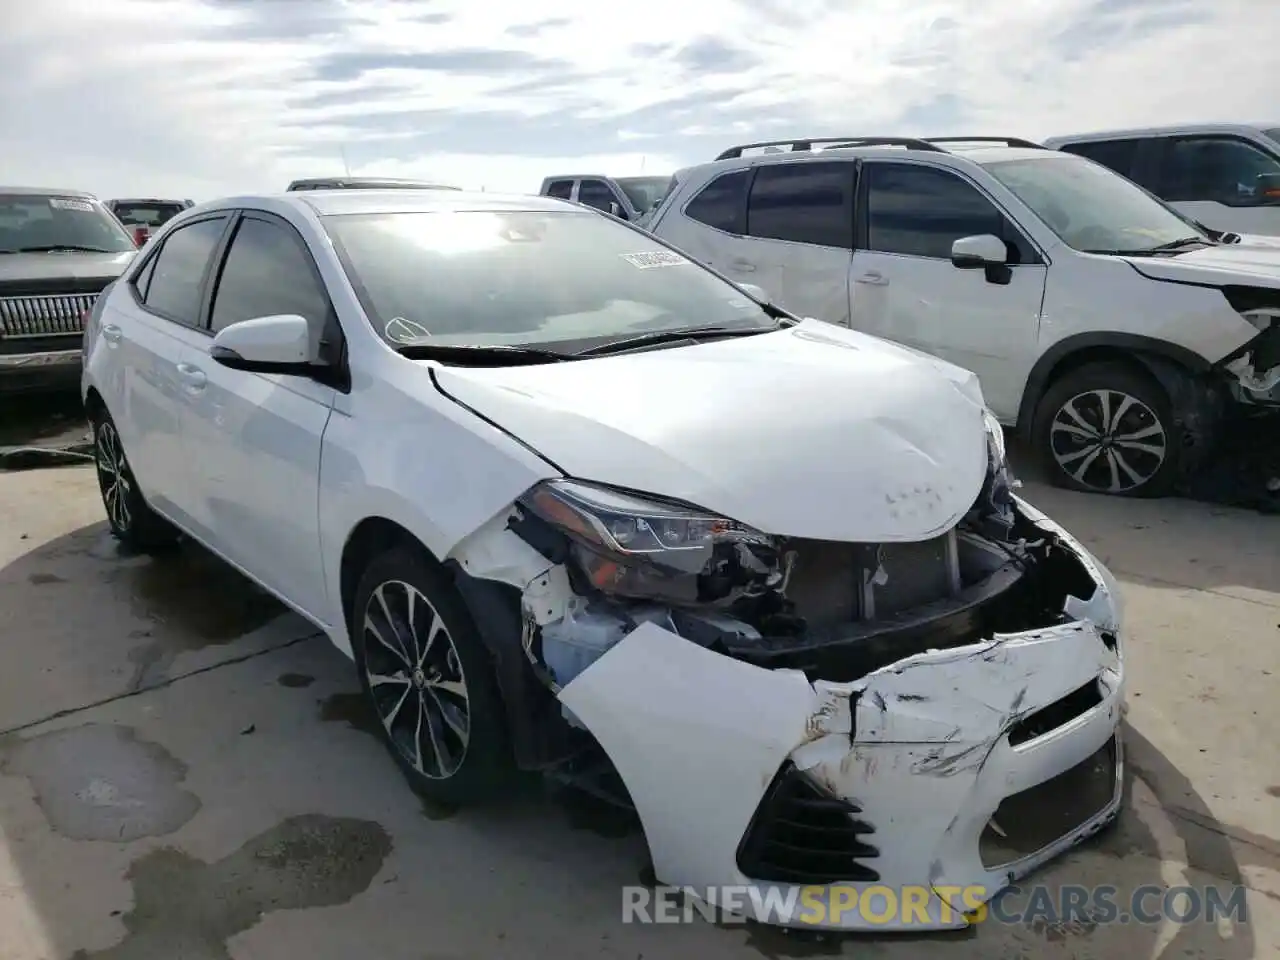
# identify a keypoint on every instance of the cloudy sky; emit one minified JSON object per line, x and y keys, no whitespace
{"x":199,"y":98}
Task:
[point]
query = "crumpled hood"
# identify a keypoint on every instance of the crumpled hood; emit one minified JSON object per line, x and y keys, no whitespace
{"x":1246,"y":262}
{"x":813,"y":431}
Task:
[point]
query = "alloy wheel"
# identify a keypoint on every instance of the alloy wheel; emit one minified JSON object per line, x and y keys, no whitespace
{"x":114,"y":478}
{"x":1108,"y":441}
{"x":416,"y":680}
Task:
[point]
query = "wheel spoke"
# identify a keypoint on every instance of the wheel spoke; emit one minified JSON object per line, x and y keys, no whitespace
{"x":1116,"y":485}
{"x":443,"y":760}
{"x":1104,"y":404}
{"x":1073,"y":431}
{"x":392,"y":648}
{"x":382,"y":680}
{"x":1126,"y":402}
{"x":454,"y":687}
{"x":417,"y":736}
{"x":447,"y":713}
{"x":406,"y":654}
{"x":1135,"y":478}
{"x":1069,"y":408}
{"x":437,"y":625}
{"x":388,"y":719}
{"x":1075,"y":455}
{"x":1088,"y":462}
{"x":1154,"y":430}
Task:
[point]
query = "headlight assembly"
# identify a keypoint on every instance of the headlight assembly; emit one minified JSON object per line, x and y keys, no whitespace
{"x":642,"y":548}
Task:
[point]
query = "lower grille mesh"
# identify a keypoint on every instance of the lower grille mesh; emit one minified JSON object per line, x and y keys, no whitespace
{"x":801,"y":834}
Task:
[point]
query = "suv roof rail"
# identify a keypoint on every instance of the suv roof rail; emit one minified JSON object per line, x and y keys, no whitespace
{"x":806,"y":143}
{"x":1007,"y":141}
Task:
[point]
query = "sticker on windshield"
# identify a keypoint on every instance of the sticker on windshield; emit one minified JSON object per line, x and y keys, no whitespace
{"x":654,"y":258}
{"x":63,"y":203}
{"x":400,"y":330}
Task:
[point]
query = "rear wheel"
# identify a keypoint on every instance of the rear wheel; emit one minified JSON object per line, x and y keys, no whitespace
{"x":429,"y":679}
{"x":132,"y":522}
{"x":1108,"y":428}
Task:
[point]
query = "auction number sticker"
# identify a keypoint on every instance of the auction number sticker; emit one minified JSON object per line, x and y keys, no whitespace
{"x":654,"y":258}
{"x":65,"y":203}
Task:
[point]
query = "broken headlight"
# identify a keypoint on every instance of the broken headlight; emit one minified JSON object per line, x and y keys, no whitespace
{"x":994,"y":506}
{"x":636,"y":547}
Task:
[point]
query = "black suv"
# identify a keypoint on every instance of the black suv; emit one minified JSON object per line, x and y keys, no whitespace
{"x":58,"y":250}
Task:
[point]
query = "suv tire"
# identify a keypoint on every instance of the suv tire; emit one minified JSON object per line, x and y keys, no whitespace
{"x":1108,"y":428}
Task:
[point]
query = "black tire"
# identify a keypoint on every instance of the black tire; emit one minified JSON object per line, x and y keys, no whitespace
{"x":1136,"y":454}
{"x":447,"y":697}
{"x":132,"y":522}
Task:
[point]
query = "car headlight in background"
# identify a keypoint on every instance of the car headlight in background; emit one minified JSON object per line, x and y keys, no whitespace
{"x":633,"y":546}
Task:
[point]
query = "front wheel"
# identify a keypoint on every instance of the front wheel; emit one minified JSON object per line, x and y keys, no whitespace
{"x":1108,"y":428}
{"x":429,"y":679}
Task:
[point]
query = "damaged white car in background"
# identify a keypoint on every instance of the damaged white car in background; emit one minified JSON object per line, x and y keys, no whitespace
{"x":577,"y":504}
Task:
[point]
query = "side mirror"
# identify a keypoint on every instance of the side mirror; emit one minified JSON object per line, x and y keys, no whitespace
{"x":984,"y":250}
{"x":1269,"y":187}
{"x":277,"y":344}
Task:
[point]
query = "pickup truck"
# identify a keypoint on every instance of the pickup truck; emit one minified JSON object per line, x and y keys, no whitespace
{"x":627,"y":198}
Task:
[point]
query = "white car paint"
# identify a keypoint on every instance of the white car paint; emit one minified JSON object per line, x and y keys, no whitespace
{"x":997,"y":331}
{"x":1243,"y":218}
{"x":807,"y":432}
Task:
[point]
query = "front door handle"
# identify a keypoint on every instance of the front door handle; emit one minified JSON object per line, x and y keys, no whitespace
{"x":193,"y":378}
{"x":111,"y":333}
{"x":743,"y":266}
{"x":873,"y":278}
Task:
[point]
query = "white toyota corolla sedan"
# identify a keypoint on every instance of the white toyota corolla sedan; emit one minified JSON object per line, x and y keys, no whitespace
{"x":575,"y":503}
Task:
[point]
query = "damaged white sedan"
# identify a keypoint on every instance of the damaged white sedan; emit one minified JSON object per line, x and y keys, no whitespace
{"x":574,"y":503}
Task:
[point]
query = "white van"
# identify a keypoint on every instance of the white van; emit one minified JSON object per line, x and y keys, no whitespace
{"x":1225,"y":175}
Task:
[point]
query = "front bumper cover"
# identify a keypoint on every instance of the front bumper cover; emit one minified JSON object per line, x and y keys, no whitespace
{"x":925,"y":750}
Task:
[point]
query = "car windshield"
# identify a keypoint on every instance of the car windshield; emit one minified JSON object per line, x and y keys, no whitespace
{"x":555,"y":280}
{"x":146,"y":214}
{"x":645,"y":193}
{"x":50,"y":222}
{"x":1090,"y":207}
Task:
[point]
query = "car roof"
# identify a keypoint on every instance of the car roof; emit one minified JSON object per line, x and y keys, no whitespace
{"x":395,"y":182}
{"x":47,"y":192}
{"x":975,"y":152}
{"x":145,"y":200}
{"x":329,"y":203}
{"x":1171,"y":129}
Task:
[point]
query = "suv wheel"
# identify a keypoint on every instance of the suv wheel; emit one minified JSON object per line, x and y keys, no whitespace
{"x":132,"y":522}
{"x":1108,"y":428}
{"x":429,"y":679}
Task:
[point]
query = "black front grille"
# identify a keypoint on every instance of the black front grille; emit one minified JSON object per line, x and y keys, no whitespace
{"x":1057,"y":714}
{"x":43,"y":316}
{"x":802,"y":834}
{"x":1027,"y":822}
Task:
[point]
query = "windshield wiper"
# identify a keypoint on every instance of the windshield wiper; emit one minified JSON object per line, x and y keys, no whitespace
{"x":479,"y":354}
{"x":58,"y":248}
{"x":668,"y":336}
{"x":1151,"y":251}
{"x":1175,"y":244}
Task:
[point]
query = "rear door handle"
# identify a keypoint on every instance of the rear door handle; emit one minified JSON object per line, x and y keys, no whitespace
{"x":111,"y":333}
{"x":873,"y":278}
{"x":744,"y":266}
{"x":192,"y":377}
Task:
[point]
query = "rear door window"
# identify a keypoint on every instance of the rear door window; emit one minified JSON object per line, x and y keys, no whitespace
{"x":722,"y":203}
{"x":806,"y":202}
{"x":1119,"y":155}
{"x":560,"y":189}
{"x":177,"y":280}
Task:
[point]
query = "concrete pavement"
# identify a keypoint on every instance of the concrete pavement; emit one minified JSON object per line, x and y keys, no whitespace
{"x":186,"y":772}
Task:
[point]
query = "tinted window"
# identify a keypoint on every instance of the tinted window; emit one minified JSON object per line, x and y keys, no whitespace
{"x":1119,"y":155}
{"x":722,"y":203}
{"x":562,"y":189}
{"x":645,"y":193}
{"x":921,"y":211}
{"x":267,"y":272}
{"x":546,"y":278}
{"x":1219,"y":169}
{"x":179,"y":271}
{"x":593,"y":193}
{"x":143,"y":278}
{"x":31,"y":221}
{"x":808,"y":202}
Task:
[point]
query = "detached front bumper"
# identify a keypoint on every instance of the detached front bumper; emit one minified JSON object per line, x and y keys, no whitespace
{"x":757,"y":779}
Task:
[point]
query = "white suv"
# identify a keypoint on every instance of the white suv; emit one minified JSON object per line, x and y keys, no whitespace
{"x":1109,"y":329}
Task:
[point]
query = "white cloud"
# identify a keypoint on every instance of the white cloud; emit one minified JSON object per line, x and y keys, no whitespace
{"x":204,"y":97}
